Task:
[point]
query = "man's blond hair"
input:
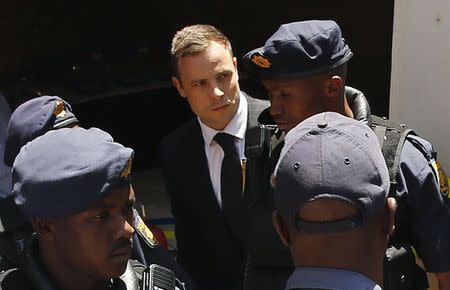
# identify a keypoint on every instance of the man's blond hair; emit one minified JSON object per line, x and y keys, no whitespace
{"x":195,"y":39}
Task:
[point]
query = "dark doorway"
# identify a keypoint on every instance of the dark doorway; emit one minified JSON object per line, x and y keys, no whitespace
{"x":110,"y":60}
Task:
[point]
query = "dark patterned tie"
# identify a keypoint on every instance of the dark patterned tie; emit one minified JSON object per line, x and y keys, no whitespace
{"x":231,"y":183}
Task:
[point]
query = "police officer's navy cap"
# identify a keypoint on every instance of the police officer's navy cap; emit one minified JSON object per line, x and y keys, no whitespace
{"x":33,"y":118}
{"x":330,"y":156}
{"x":68,"y":170}
{"x":298,"y":50}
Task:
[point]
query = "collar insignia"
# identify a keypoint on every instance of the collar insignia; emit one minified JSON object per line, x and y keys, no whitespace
{"x":442,"y":179}
{"x":260,"y":60}
{"x":144,"y":231}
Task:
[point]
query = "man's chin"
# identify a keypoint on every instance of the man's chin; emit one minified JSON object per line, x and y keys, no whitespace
{"x":117,"y":269}
{"x":117,"y":273}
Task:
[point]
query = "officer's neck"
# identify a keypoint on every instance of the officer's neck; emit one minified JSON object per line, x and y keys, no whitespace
{"x":347,"y":110}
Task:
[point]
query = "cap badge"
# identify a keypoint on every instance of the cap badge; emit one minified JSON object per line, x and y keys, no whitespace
{"x":260,"y":60}
{"x":60,"y":109}
{"x":127,"y":170}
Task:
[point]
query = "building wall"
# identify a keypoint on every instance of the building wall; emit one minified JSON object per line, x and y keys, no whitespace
{"x":421,"y":70}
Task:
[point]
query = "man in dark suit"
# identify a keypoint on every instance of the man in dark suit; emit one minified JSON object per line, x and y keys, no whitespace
{"x":208,"y":193}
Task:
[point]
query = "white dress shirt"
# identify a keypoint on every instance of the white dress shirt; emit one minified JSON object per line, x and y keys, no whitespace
{"x":214,"y":152}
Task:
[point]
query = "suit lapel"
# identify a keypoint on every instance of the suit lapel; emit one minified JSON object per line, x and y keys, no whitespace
{"x":199,"y":171}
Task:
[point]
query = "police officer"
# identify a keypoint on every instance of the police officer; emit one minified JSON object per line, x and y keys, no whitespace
{"x":332,"y":206}
{"x":73,"y":185}
{"x":34,"y":118}
{"x":31,"y":119}
{"x":303,"y":67}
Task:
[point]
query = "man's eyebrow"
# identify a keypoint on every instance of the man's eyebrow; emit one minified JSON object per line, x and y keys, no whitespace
{"x":224,"y":71}
{"x":195,"y":81}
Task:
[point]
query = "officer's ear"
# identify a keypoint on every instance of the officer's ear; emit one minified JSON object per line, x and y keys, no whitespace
{"x":335,"y":87}
{"x":177,"y":84}
{"x":333,"y":90}
{"x":390,"y":216}
{"x":43,"y":227}
{"x":281,"y":227}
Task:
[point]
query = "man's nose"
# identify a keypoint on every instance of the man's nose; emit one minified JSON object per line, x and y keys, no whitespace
{"x":124,"y":228}
{"x":217,"y":92}
{"x":276,"y":107}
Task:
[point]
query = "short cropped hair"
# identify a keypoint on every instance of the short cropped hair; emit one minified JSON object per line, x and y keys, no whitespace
{"x":195,"y":39}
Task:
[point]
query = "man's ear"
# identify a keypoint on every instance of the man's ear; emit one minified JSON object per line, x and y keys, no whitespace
{"x":391,"y":208}
{"x":43,"y":227}
{"x":281,"y":228}
{"x":335,"y":87}
{"x":177,"y":84}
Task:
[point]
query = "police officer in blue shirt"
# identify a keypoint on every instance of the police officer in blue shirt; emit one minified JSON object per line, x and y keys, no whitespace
{"x":74,"y":186}
{"x":303,"y":67}
{"x":34,"y":118}
{"x":30,"y":120}
{"x":331,"y":204}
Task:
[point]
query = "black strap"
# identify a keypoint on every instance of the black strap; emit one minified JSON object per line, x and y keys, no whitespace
{"x":231,"y":179}
{"x":358,"y":104}
{"x":391,"y":136}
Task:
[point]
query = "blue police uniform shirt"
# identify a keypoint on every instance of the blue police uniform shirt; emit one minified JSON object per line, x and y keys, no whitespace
{"x":329,"y":278}
{"x":428,"y":205}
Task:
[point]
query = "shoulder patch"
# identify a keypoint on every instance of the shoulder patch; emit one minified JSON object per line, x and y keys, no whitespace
{"x":143,"y":231}
{"x":442,"y":179}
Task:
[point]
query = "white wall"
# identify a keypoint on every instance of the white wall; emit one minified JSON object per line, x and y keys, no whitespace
{"x":420,"y":79}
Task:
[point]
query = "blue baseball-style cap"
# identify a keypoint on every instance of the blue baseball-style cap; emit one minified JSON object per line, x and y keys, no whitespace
{"x":298,"y":50}
{"x":330,"y":156}
{"x":68,"y":170}
{"x":33,"y":118}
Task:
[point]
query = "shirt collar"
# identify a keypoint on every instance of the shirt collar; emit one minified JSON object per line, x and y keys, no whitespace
{"x":328,"y":278}
{"x":235,"y":127}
